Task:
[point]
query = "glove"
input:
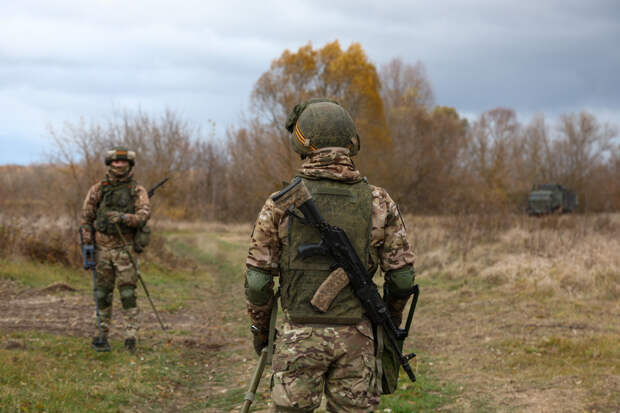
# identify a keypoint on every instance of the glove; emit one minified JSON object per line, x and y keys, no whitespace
{"x":261,"y":338}
{"x":88,"y":253}
{"x":114,"y":217}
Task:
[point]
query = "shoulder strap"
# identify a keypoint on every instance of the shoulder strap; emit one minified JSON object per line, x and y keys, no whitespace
{"x":379,"y":353}
{"x":102,"y":189}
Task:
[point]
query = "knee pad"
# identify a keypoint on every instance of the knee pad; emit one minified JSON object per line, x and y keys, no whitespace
{"x":398,"y":283}
{"x":128,"y":296}
{"x":104,"y":297}
{"x":258,"y":286}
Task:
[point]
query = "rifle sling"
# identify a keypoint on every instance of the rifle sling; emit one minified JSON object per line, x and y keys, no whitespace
{"x":272,"y":327}
{"x":379,"y":354}
{"x":414,"y":302}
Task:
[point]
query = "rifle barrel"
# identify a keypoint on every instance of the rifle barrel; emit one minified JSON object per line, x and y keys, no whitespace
{"x":151,"y":191}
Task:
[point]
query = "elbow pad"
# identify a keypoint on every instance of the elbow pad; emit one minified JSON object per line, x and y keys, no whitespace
{"x":399,"y":283}
{"x":258,"y":286}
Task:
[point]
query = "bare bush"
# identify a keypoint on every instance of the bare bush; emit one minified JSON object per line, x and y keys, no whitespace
{"x":41,"y":240}
{"x":165,"y":147}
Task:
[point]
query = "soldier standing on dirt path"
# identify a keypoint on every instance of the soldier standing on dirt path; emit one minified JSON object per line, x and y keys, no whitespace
{"x":115,"y":202}
{"x":331,"y":351}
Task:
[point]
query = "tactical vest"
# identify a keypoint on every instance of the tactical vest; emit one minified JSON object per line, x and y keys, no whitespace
{"x":348,"y":206}
{"x":115,"y":197}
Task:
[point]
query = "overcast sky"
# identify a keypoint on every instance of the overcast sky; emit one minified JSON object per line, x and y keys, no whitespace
{"x":63,"y":59}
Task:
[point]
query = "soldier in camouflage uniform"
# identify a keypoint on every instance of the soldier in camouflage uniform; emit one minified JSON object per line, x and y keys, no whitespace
{"x":115,"y":202}
{"x":332,"y":351}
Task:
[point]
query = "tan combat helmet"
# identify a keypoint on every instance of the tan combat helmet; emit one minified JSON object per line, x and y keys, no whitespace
{"x":120,"y":153}
{"x":321,"y":123}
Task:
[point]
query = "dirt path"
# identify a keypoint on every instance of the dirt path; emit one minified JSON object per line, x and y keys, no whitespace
{"x":61,"y":309}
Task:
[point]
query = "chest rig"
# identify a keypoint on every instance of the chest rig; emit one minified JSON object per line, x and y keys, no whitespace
{"x":118,"y":197}
{"x":348,"y":206}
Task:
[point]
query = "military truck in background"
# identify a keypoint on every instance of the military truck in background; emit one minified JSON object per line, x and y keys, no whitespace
{"x":550,"y":198}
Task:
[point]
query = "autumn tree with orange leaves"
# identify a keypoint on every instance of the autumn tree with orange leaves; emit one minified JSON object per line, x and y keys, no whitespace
{"x":346,"y":76}
{"x":260,"y":150}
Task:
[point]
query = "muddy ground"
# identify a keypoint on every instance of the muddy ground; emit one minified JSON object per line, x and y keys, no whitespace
{"x":61,"y":309}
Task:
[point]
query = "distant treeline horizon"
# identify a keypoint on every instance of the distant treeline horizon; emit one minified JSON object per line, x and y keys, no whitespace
{"x":431,"y":159}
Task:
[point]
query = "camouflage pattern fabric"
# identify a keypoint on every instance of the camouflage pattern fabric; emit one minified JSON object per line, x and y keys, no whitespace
{"x":260,"y":314}
{"x":329,"y":163}
{"x":310,"y":356}
{"x":339,"y":359}
{"x":113,"y":263}
{"x":142,"y":208}
{"x":388,"y":234}
{"x":114,"y":268}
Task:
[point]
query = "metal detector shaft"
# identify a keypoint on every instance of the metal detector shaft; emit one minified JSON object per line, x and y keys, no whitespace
{"x":258,"y":373}
{"x":148,"y":295}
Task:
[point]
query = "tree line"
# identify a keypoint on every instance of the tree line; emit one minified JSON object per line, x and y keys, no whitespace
{"x":431,"y":159}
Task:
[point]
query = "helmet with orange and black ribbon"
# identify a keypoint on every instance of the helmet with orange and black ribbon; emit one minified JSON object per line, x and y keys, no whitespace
{"x":321,"y":123}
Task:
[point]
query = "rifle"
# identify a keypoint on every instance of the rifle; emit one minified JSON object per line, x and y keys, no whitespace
{"x":151,"y":192}
{"x":90,"y":263}
{"x":336,"y":243}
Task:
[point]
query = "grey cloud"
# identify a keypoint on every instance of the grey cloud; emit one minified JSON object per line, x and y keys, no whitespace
{"x":63,"y":59}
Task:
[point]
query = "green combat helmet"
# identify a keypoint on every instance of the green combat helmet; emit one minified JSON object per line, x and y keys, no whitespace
{"x":120,"y":153}
{"x":321,"y":123}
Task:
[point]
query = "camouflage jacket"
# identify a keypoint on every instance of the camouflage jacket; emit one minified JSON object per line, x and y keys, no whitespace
{"x":388,"y":234}
{"x":142,"y":208}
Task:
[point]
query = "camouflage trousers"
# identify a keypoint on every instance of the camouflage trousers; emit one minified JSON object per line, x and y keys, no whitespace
{"x":312,"y":359}
{"x":114,"y":267}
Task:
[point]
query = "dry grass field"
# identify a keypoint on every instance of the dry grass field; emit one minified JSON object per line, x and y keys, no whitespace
{"x":516,"y":314}
{"x":523,"y":312}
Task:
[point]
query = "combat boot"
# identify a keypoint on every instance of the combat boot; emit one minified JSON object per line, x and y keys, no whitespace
{"x":130,"y":344}
{"x":101,"y":344}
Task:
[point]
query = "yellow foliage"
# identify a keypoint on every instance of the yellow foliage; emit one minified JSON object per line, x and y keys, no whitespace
{"x":346,"y":76}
